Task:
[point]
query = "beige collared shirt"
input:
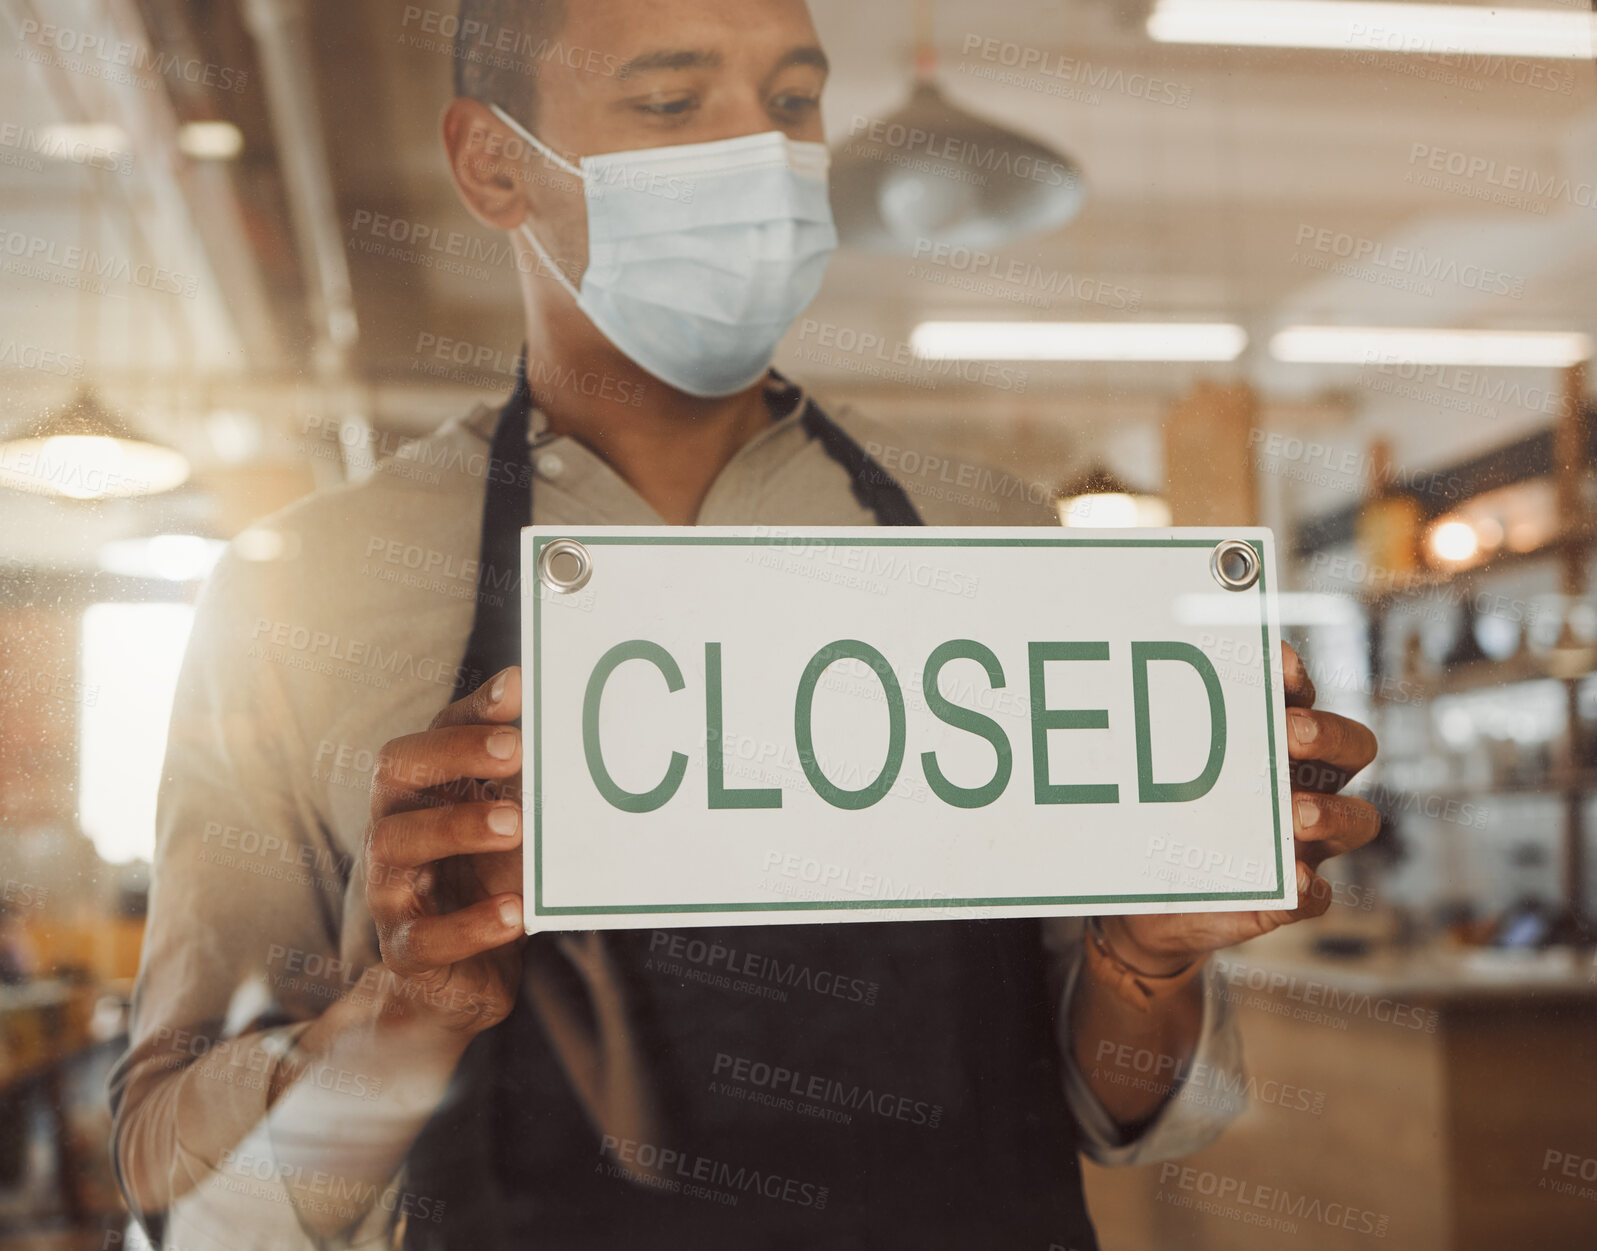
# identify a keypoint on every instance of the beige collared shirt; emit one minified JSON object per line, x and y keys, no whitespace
{"x":339,"y":625}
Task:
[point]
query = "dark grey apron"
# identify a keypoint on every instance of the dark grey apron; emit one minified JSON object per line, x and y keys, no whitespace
{"x":869,"y":1086}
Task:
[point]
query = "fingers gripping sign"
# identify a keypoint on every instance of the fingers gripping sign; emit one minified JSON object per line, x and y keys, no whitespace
{"x":443,"y":857}
{"x":1325,"y":752}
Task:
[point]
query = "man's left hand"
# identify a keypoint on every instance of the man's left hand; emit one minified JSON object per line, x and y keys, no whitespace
{"x":1325,"y":751}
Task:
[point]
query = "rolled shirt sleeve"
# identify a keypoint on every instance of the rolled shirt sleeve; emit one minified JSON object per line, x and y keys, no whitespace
{"x":246,"y":943}
{"x":1210,"y":1091}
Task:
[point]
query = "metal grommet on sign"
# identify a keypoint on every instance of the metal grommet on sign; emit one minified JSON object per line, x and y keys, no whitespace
{"x":564,"y":566}
{"x":1235,"y":565}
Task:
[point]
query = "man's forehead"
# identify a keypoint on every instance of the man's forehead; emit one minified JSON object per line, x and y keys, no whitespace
{"x":648,"y":35}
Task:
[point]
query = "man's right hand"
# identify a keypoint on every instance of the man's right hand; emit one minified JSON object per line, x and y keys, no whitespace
{"x":443,"y":860}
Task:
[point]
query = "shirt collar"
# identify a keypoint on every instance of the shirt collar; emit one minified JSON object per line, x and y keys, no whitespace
{"x":784,"y":398}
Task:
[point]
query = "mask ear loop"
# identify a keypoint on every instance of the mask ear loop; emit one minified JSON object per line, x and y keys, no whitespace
{"x":537,"y":144}
{"x":556,"y":159}
{"x":559,"y":274}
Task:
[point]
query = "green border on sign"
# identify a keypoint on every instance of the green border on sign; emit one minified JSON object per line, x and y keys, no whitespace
{"x":822,"y":905}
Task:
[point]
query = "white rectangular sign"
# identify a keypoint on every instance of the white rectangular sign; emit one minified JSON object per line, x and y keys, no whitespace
{"x":730,"y":726}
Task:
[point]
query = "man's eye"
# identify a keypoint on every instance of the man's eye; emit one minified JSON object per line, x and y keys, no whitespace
{"x":668,"y":108}
{"x":794,"y":106}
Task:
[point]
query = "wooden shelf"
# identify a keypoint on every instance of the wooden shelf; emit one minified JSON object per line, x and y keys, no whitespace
{"x":1565,"y":456}
{"x":1479,"y":676}
{"x":1572,"y":538}
{"x":1554,"y":786}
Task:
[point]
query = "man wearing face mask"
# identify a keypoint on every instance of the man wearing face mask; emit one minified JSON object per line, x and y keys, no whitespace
{"x":341,"y":1037}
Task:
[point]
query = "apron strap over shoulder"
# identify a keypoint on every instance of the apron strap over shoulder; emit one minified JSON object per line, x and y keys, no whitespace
{"x":873,"y":486}
{"x":495,"y":640}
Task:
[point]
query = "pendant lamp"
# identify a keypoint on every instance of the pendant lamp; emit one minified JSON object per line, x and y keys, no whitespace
{"x":933,"y":173}
{"x":1097,"y":499}
{"x":80,"y":451}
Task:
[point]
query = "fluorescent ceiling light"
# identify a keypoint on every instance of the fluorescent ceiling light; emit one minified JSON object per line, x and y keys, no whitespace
{"x":1354,"y":25}
{"x":77,"y":141}
{"x":210,"y":141}
{"x":1366,"y":345}
{"x":1078,"y":341}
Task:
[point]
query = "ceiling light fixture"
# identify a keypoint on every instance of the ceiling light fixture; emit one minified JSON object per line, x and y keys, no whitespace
{"x":933,"y":173}
{"x":1368,"y":345}
{"x":1360,"y":26}
{"x":1098,"y":500}
{"x":79,"y":141}
{"x":1078,"y":341}
{"x":82,"y":452}
{"x":210,"y":141}
{"x":1453,"y":541}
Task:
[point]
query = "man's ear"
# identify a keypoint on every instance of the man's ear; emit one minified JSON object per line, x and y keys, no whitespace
{"x":491,"y":183}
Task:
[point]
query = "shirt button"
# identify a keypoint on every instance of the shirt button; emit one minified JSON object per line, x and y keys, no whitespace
{"x":550,"y":465}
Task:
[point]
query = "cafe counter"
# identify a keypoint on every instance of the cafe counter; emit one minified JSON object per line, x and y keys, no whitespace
{"x":1430,"y":1100}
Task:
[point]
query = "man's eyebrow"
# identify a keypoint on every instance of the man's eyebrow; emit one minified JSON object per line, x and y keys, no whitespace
{"x":670,"y":59}
{"x":695,"y":58}
{"x":806,"y":56}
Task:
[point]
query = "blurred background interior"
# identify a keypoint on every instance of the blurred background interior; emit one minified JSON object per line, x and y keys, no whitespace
{"x":1330,"y":268}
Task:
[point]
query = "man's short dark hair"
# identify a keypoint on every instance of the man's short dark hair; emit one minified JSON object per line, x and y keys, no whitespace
{"x":500,"y":45}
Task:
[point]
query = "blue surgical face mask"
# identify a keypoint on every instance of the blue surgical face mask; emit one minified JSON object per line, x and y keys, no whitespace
{"x":700,"y":256}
